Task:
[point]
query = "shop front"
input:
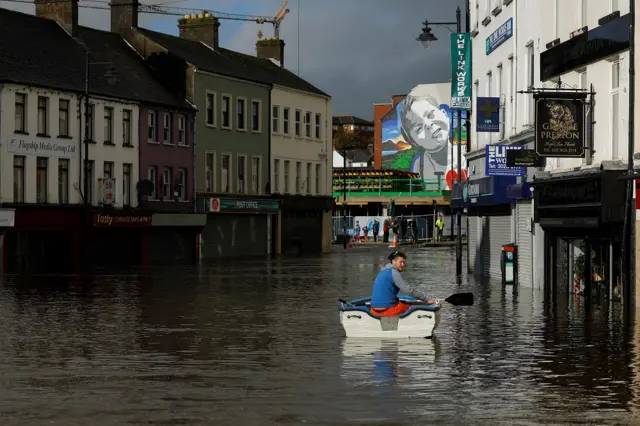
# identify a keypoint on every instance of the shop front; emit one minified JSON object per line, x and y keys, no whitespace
{"x":304,"y":221}
{"x":173,"y":238}
{"x":582,"y":214}
{"x":43,"y":239}
{"x":489,"y":212}
{"x":238,"y":227}
{"x":117,"y":240}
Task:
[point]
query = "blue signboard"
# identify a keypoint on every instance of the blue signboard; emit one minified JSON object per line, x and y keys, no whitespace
{"x":499,"y":36}
{"x":484,"y":192}
{"x":488,"y":110}
{"x":496,"y":161}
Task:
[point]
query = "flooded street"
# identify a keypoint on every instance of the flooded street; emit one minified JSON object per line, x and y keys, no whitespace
{"x":259,"y":343}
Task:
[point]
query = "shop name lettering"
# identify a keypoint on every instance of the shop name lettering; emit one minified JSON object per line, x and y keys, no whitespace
{"x":108,"y":220}
{"x":246,"y":205}
{"x":45,"y":146}
{"x":461,"y":73}
{"x":568,"y":131}
{"x":498,"y":156}
{"x":473,"y":190}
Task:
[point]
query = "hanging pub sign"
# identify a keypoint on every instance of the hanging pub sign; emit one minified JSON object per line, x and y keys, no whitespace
{"x":560,"y":130}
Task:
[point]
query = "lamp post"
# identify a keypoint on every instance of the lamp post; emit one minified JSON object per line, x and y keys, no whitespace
{"x":344,"y":194}
{"x":426,"y":38}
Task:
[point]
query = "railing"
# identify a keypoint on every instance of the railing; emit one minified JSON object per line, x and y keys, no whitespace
{"x":382,"y":186}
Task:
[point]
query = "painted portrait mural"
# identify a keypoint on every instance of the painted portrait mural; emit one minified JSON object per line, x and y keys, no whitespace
{"x":417,"y":135}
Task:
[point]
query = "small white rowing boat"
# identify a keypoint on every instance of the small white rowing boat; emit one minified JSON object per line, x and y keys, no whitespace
{"x":419,"y":321}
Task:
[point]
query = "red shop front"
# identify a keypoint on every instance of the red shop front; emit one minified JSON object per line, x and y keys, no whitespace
{"x":118,"y":240}
{"x":44,"y":239}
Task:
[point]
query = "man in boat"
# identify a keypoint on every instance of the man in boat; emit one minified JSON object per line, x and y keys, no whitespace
{"x":387,"y":285}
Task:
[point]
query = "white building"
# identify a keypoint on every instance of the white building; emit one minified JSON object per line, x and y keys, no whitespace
{"x":545,"y":45}
{"x":504,"y":34}
{"x":300,"y":142}
{"x":43,"y":154}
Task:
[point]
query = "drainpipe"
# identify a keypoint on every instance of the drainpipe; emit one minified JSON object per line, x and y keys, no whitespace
{"x":514,"y":83}
{"x":193,"y":162}
{"x":629,"y":242}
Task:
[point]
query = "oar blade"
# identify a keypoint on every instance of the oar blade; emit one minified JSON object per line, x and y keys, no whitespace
{"x":460,"y":299}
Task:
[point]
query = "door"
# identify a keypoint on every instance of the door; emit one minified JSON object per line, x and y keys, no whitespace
{"x":524,"y":240}
{"x":496,"y":233}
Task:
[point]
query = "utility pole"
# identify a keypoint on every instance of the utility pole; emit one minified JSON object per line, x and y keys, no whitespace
{"x":459,"y":149}
{"x":87,"y":105}
{"x":629,"y":243}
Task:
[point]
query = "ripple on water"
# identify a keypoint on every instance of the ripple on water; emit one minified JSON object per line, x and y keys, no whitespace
{"x":259,"y":342}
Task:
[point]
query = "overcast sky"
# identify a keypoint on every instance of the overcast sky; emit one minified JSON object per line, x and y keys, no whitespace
{"x":361,"y":52}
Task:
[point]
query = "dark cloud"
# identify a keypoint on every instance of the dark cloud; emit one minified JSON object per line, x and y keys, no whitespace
{"x":359,"y":51}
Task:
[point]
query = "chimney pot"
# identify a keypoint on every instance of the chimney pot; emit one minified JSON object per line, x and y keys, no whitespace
{"x":202,"y":28}
{"x":124,"y":15}
{"x":64,"y":12}
{"x":271,"y":48}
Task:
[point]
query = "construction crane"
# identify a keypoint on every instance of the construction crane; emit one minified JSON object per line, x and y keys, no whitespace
{"x":160,"y":9}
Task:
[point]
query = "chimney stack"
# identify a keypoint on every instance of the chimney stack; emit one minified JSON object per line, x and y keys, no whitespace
{"x":124,"y":15}
{"x":202,"y":27}
{"x":271,"y":48}
{"x":64,"y":12}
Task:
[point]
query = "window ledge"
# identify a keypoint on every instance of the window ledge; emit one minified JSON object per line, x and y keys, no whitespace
{"x":42,"y":135}
{"x":127,"y":145}
{"x":486,"y":21}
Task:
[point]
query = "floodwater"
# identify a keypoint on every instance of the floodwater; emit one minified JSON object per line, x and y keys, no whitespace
{"x":260,"y":343}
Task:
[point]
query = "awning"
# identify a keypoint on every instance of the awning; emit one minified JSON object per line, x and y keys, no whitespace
{"x":519,"y":191}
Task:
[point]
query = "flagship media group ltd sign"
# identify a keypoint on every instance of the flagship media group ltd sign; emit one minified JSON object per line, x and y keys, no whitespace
{"x":62,"y":148}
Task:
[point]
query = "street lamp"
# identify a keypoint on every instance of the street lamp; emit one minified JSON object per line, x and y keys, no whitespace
{"x":344,"y":150}
{"x":426,"y":38}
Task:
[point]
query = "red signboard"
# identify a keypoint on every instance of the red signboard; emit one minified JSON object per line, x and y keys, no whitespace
{"x":637,"y":194}
{"x":117,"y":220}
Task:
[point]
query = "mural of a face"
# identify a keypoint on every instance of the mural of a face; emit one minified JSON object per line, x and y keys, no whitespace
{"x":424,"y":124}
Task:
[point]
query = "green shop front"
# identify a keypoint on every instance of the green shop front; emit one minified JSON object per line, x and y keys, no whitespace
{"x":239,"y":227}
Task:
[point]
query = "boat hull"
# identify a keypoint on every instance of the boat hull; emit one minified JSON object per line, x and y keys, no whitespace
{"x":419,"y":321}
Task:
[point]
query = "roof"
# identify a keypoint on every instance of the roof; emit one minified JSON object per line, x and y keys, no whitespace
{"x":350,"y":119}
{"x":229,"y":63}
{"x":38,"y":51}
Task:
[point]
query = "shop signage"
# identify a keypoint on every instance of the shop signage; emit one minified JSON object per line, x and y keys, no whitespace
{"x":117,"y":220}
{"x":7,"y":218}
{"x":586,"y":191}
{"x":461,"y":71}
{"x":524,"y":158}
{"x":488,"y":110}
{"x":44,"y":148}
{"x":472,"y":189}
{"x":599,"y":43}
{"x":499,"y":36}
{"x":560,"y":124}
{"x":240,"y":205}
{"x":496,"y":160}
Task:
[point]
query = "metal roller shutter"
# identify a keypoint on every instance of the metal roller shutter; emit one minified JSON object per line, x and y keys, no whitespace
{"x":498,"y":233}
{"x":524,"y":240}
{"x":472,"y":243}
{"x":229,"y":235}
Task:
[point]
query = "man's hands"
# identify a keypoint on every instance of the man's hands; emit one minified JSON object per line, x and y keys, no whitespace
{"x":431,"y":302}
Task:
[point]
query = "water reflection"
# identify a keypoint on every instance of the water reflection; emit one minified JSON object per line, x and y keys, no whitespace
{"x":259,"y":342}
